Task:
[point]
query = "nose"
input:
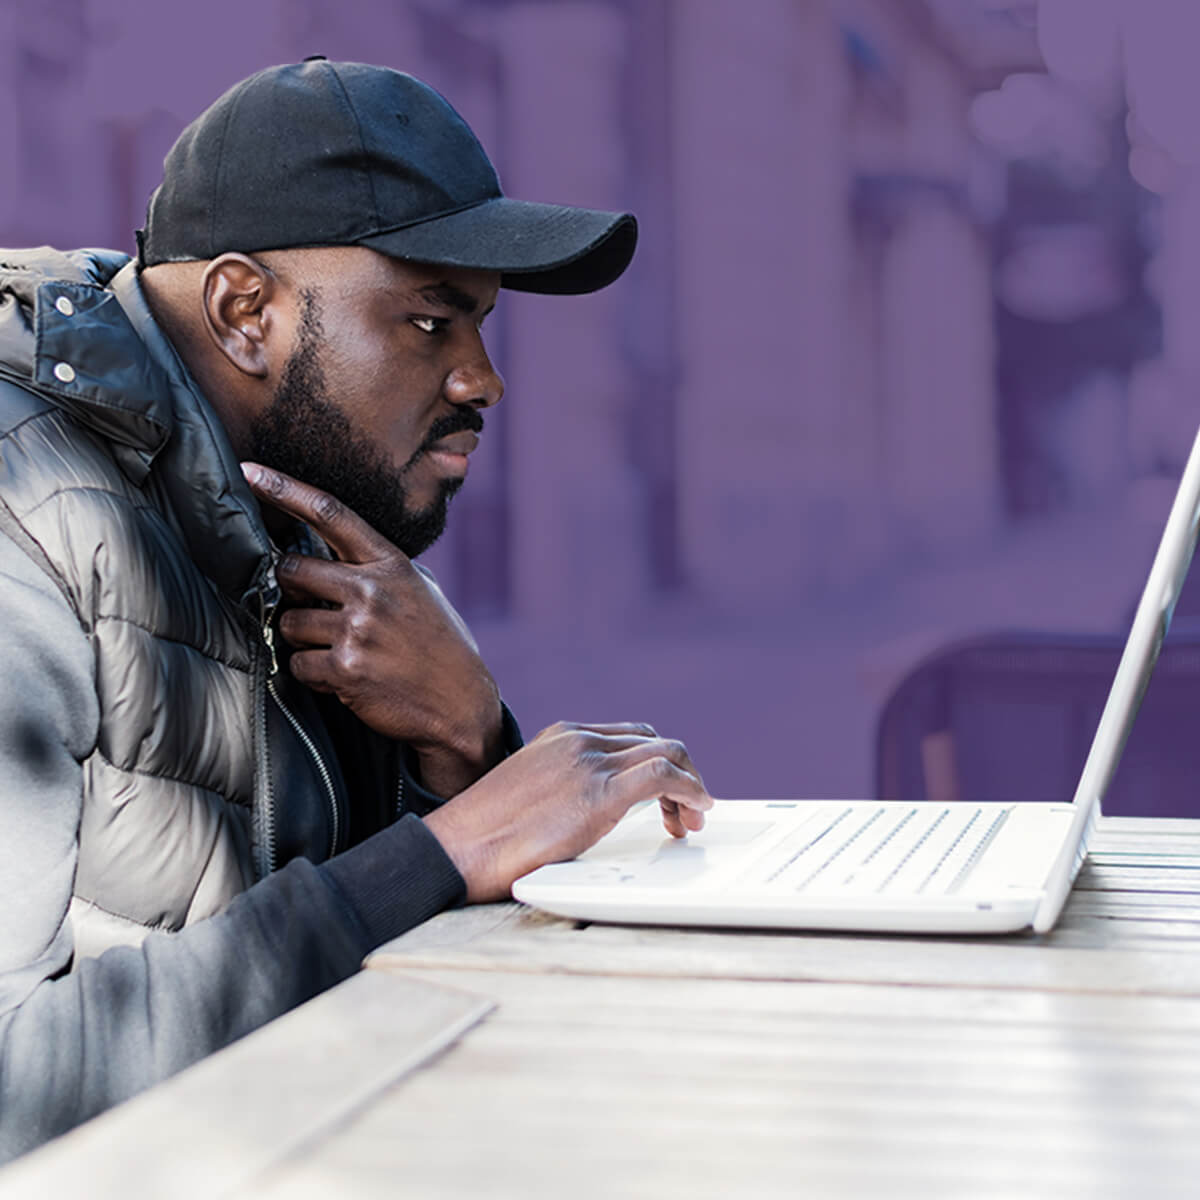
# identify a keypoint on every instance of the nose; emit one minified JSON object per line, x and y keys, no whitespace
{"x":475,"y":382}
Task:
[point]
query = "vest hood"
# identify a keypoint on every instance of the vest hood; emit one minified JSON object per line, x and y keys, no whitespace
{"x":65,"y":336}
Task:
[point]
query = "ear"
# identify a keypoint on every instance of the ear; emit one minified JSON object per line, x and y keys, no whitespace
{"x":237,"y":297}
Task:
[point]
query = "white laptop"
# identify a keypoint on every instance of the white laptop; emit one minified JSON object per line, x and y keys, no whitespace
{"x":878,"y":866}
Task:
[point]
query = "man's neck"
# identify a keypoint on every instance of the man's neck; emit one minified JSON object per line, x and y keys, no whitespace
{"x":172,"y":295}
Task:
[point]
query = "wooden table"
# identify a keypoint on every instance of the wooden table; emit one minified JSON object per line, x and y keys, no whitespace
{"x":497,"y":1052}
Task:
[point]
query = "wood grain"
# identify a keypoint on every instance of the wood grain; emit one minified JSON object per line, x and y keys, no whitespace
{"x":588,"y":1086}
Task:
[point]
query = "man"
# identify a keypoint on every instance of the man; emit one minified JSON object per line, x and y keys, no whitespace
{"x":233,"y":707}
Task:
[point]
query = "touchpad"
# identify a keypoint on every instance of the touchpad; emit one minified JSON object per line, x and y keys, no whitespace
{"x":649,"y":856}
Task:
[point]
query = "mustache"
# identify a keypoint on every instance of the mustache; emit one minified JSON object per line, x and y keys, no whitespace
{"x":457,"y":421}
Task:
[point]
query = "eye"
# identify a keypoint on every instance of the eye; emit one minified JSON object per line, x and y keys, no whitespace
{"x":429,"y":325}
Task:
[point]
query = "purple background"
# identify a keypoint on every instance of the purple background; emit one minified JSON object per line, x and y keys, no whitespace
{"x":907,"y":352}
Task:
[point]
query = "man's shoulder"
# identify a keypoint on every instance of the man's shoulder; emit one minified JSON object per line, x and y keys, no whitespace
{"x":19,"y":404}
{"x":37,"y":434}
{"x":47,"y":456}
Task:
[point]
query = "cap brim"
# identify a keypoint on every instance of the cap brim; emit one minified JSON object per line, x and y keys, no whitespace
{"x":546,"y":248}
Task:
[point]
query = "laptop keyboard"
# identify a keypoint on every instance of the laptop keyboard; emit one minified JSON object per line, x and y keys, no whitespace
{"x":921,"y":849}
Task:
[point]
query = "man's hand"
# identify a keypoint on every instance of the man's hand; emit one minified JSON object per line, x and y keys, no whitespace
{"x":566,"y":789}
{"x":374,"y":631}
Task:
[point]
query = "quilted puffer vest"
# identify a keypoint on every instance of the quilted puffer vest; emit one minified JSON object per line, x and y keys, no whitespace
{"x":117,"y":479}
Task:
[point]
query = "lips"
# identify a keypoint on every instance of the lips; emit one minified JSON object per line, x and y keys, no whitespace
{"x":456,"y":443}
{"x":448,"y":455}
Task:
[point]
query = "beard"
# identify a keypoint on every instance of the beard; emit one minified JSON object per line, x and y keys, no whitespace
{"x":306,"y":435}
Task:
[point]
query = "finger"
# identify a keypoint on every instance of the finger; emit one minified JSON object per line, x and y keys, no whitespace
{"x":315,"y":669}
{"x":303,"y":577}
{"x":598,"y":745}
{"x":352,"y":539}
{"x":676,"y":816}
{"x":670,"y":817}
{"x":637,"y":728}
{"x":649,"y":748}
{"x":300,"y":597}
{"x":312,"y":626}
{"x":618,"y":728}
{"x":657,"y":779}
{"x":611,"y":743}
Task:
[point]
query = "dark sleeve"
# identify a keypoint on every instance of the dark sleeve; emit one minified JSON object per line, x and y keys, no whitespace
{"x":75,"y":1041}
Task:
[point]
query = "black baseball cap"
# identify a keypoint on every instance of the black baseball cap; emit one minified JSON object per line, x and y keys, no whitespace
{"x":325,"y":153}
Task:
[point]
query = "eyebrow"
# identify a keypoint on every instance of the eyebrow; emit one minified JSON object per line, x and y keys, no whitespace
{"x":449,"y":296}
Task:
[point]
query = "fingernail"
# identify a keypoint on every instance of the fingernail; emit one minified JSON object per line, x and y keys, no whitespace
{"x":252,"y":472}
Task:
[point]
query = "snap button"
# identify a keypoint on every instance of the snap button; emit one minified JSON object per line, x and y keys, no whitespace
{"x":64,"y":306}
{"x":64,"y":372}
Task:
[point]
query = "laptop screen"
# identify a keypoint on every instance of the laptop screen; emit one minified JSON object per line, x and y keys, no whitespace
{"x":1150,"y":623}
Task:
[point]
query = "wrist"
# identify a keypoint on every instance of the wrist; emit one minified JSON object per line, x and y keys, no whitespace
{"x":463,"y":755}
{"x":469,"y":849}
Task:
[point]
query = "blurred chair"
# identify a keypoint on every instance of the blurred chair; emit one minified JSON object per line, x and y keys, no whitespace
{"x":1010,"y":716}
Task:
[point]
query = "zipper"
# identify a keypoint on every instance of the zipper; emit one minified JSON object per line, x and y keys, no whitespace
{"x":268,"y":636}
{"x":400,"y":793}
{"x":262,"y":675}
{"x":318,"y":761}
